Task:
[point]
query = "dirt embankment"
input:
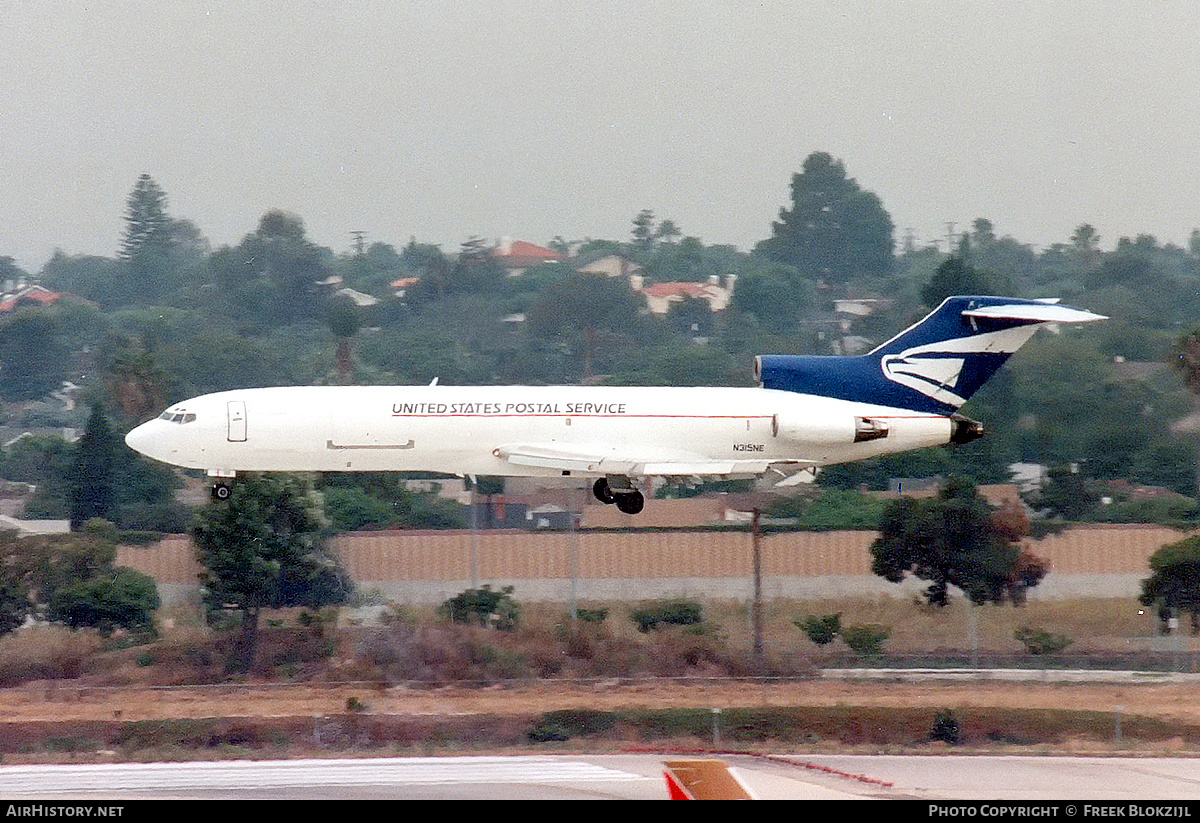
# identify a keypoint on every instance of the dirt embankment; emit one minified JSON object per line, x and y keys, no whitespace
{"x":58,"y":701}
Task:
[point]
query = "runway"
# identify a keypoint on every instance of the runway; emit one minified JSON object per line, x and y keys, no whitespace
{"x":615,"y":777}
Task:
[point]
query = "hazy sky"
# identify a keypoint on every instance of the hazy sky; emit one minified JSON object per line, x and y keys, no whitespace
{"x":540,"y":118}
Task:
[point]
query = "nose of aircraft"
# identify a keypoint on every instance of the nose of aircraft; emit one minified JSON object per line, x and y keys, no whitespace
{"x":141,"y":439}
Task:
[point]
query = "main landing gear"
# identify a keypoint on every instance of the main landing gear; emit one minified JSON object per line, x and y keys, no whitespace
{"x":619,"y":491}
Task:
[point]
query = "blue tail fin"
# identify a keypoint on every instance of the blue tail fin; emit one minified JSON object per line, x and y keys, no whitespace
{"x":934,"y":366}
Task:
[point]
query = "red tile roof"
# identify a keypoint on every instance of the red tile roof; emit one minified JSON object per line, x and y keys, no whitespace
{"x":520,"y":250}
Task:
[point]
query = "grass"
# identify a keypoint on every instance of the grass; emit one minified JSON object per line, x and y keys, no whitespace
{"x":547,"y":644}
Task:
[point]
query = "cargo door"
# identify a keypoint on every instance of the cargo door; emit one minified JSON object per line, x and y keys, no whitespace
{"x":237,"y":421}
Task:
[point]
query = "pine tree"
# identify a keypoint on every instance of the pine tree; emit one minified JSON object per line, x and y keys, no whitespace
{"x":147,"y":225}
{"x":92,"y":485}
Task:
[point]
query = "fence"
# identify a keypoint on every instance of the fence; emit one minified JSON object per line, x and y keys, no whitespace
{"x":429,"y":566}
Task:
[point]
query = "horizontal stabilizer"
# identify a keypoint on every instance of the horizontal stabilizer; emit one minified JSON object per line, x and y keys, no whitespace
{"x":1034,"y":313}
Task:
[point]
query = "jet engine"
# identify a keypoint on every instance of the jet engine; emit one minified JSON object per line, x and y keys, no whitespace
{"x":800,"y":429}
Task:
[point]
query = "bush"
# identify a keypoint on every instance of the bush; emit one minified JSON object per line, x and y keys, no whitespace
{"x":592,"y":615}
{"x":1040,"y":641}
{"x":866,"y":640}
{"x":564,"y":724}
{"x":666,"y":613}
{"x":946,"y":728}
{"x":821,"y":630}
{"x":483,"y":607}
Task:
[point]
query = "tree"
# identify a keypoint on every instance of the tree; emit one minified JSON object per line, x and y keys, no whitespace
{"x":775,"y":295}
{"x":955,"y":276}
{"x":33,"y":359}
{"x":121,"y":598}
{"x":260,"y":549}
{"x":342,"y":317}
{"x":272,"y":275}
{"x":1185,"y":359}
{"x":643,"y":231}
{"x":954,"y":539}
{"x":583,"y":307}
{"x":1174,"y":583}
{"x":92,"y":493}
{"x":1066,"y":495}
{"x":146,"y":220}
{"x":71,"y":579}
{"x":154,"y":247}
{"x":136,"y":383}
{"x":834,"y":229}
{"x":15,"y":606}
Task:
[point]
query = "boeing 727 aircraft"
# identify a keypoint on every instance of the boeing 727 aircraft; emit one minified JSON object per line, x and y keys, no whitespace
{"x":809,"y":411}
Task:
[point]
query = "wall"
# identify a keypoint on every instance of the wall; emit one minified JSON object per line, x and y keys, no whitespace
{"x":430,"y":566}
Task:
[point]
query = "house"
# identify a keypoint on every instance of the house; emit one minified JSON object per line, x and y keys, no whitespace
{"x":661,"y":296}
{"x":517,"y":257}
{"x":359,"y":298}
{"x":861,"y":307}
{"x":18,"y":292}
{"x":611,"y":264}
{"x":399,"y":287}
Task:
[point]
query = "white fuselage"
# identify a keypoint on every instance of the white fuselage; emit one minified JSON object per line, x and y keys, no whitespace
{"x":488,"y":430}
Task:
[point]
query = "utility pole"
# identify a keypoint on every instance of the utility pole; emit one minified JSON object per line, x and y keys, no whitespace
{"x":755,"y":539}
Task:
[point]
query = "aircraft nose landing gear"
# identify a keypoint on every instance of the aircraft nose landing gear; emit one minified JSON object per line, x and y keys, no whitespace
{"x":222,"y":483}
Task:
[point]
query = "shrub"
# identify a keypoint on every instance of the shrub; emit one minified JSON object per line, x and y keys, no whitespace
{"x":564,"y":724}
{"x":666,"y":613}
{"x":592,"y":615}
{"x":821,"y":630}
{"x":866,"y":640}
{"x":483,"y":607}
{"x":1040,"y":641}
{"x":946,"y":728}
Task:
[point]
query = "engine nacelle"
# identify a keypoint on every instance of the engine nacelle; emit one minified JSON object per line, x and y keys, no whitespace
{"x":838,"y":431}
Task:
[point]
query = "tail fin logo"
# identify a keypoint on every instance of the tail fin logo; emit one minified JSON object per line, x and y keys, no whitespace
{"x":931,"y":374}
{"x":936,"y":369}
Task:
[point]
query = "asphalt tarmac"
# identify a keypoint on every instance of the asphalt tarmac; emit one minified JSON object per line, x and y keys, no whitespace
{"x":616,"y":777}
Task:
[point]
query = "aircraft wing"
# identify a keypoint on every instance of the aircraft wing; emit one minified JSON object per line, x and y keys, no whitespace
{"x":656,"y":462}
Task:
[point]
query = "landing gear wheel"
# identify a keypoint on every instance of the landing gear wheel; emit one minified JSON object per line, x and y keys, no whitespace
{"x":631,"y":503}
{"x":221,"y":491}
{"x":602,"y":492}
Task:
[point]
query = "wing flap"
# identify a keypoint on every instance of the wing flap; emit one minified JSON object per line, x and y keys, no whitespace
{"x":660,"y":463}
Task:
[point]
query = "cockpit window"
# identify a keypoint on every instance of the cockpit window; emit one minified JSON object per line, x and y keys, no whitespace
{"x":177,"y":416}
